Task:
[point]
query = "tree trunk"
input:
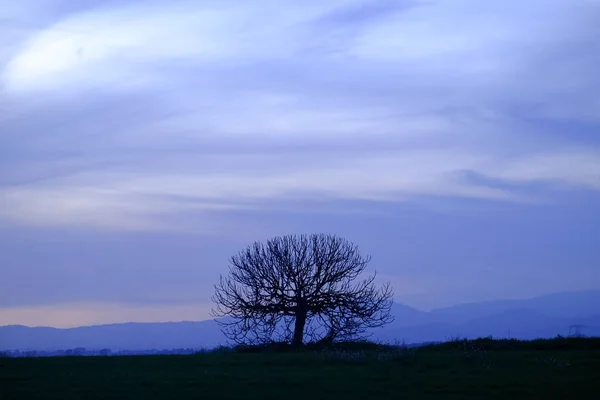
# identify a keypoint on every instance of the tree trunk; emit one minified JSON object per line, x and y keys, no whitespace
{"x":299,"y":328}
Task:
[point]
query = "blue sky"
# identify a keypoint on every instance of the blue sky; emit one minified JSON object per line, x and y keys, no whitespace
{"x":142,"y":143}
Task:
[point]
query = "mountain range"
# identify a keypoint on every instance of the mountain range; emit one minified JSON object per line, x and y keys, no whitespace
{"x":539,"y":317}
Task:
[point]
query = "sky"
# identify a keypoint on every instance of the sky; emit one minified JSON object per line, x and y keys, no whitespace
{"x":143,"y":143}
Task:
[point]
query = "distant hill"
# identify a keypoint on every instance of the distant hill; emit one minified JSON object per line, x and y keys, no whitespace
{"x":545,"y":316}
{"x":538,"y":317}
{"x":559,"y":305}
{"x":129,"y":336}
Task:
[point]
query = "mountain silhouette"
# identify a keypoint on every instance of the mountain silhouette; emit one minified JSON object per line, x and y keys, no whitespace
{"x":539,"y":317}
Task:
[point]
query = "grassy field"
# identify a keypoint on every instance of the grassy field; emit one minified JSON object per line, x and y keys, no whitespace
{"x":484,"y":369}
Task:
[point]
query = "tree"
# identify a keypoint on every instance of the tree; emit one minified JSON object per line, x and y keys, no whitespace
{"x":296,"y":286}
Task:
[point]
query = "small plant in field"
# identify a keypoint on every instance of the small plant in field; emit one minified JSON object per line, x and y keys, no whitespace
{"x":470,"y":350}
{"x":344,"y":355}
{"x":400,"y":353}
{"x":555,"y":362}
{"x":473,"y":351}
{"x":222,"y":350}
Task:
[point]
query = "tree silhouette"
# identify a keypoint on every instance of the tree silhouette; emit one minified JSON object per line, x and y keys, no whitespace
{"x":296,"y":286}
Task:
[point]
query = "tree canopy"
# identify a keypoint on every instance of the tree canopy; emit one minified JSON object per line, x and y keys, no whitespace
{"x":295,"y":287}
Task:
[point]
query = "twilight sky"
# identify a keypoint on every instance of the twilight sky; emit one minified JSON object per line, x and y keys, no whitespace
{"x":142,"y":143}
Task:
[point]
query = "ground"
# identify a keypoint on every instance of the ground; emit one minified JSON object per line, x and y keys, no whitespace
{"x":559,"y":369}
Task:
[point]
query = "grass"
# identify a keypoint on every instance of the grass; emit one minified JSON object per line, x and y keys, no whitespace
{"x":481,"y":369}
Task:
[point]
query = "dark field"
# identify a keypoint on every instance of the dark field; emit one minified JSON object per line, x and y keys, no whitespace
{"x":485,"y":369}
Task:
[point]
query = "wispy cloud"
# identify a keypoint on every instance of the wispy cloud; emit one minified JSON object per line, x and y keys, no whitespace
{"x":140,"y":200}
{"x":113,"y":115}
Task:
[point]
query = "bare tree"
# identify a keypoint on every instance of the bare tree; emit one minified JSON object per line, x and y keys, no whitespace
{"x":296,"y":286}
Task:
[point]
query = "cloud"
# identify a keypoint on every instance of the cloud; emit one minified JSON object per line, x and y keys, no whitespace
{"x":133,"y":115}
{"x":146,"y":200}
{"x":364,"y":12}
{"x":575,"y":167}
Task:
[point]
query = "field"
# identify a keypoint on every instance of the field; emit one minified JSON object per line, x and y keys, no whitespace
{"x":482,"y":369}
